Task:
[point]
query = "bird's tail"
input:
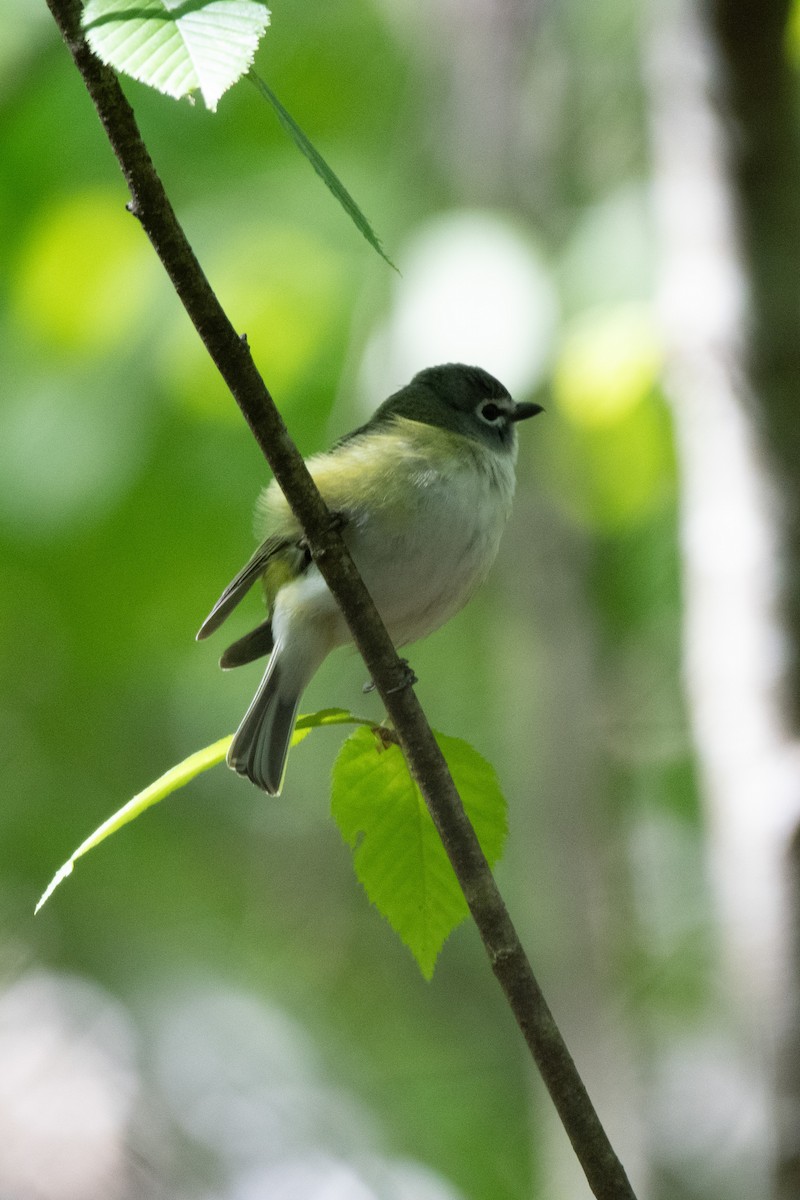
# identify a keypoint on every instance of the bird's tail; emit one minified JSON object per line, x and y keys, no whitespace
{"x":261,"y":743}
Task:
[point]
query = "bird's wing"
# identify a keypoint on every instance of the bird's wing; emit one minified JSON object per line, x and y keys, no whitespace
{"x":241,"y":584}
{"x":333,"y":472}
{"x":355,"y":476}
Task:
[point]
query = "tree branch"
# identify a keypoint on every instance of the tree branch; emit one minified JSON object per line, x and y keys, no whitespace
{"x":232,"y":358}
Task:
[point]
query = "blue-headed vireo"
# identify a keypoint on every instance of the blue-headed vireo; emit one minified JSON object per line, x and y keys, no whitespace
{"x":423,"y":491}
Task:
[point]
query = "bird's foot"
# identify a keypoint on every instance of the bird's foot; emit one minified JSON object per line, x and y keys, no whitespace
{"x":337,"y":524}
{"x":408,"y":680}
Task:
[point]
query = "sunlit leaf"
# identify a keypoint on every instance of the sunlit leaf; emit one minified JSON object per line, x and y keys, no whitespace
{"x":178,"y":47}
{"x":181,"y":774}
{"x":176,"y":777}
{"x":398,"y":855}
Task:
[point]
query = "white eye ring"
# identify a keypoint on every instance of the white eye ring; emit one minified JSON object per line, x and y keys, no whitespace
{"x":489,"y":412}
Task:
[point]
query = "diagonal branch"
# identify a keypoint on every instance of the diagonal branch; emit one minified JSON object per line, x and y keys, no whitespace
{"x":232,"y":358}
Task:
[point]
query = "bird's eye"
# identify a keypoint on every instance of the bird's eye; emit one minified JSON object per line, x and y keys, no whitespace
{"x":490,"y":412}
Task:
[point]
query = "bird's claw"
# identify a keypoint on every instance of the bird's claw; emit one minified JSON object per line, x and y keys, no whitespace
{"x":338,"y":522}
{"x":408,"y":680}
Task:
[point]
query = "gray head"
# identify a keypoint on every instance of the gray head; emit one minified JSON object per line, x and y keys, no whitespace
{"x":466,"y":400}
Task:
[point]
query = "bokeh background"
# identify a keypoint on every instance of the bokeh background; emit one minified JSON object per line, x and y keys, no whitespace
{"x":598,"y":202}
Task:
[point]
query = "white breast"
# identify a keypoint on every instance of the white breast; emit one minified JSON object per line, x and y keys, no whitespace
{"x":423,"y":568}
{"x":424,"y":537}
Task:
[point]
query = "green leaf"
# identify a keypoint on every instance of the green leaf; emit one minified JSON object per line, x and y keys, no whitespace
{"x":178,"y":46}
{"x":164,"y":786}
{"x":325,"y":716}
{"x":179,"y":775}
{"x":326,"y":174}
{"x":398,"y":855}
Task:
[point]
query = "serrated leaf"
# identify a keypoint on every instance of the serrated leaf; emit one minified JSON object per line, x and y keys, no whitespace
{"x":397,"y":853}
{"x":178,"y":46}
{"x":328,"y":176}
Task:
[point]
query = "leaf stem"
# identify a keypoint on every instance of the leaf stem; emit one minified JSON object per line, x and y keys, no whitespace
{"x":231,"y":355}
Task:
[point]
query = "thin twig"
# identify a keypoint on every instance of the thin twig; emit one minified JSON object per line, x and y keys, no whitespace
{"x":231,"y":355}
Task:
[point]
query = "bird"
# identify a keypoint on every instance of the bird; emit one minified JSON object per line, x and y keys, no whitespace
{"x":421,"y":493}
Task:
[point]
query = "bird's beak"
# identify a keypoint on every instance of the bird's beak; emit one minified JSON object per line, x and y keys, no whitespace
{"x":521,"y":412}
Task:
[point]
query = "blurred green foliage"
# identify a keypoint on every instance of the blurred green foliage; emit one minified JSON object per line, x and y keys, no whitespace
{"x":127,"y":480}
